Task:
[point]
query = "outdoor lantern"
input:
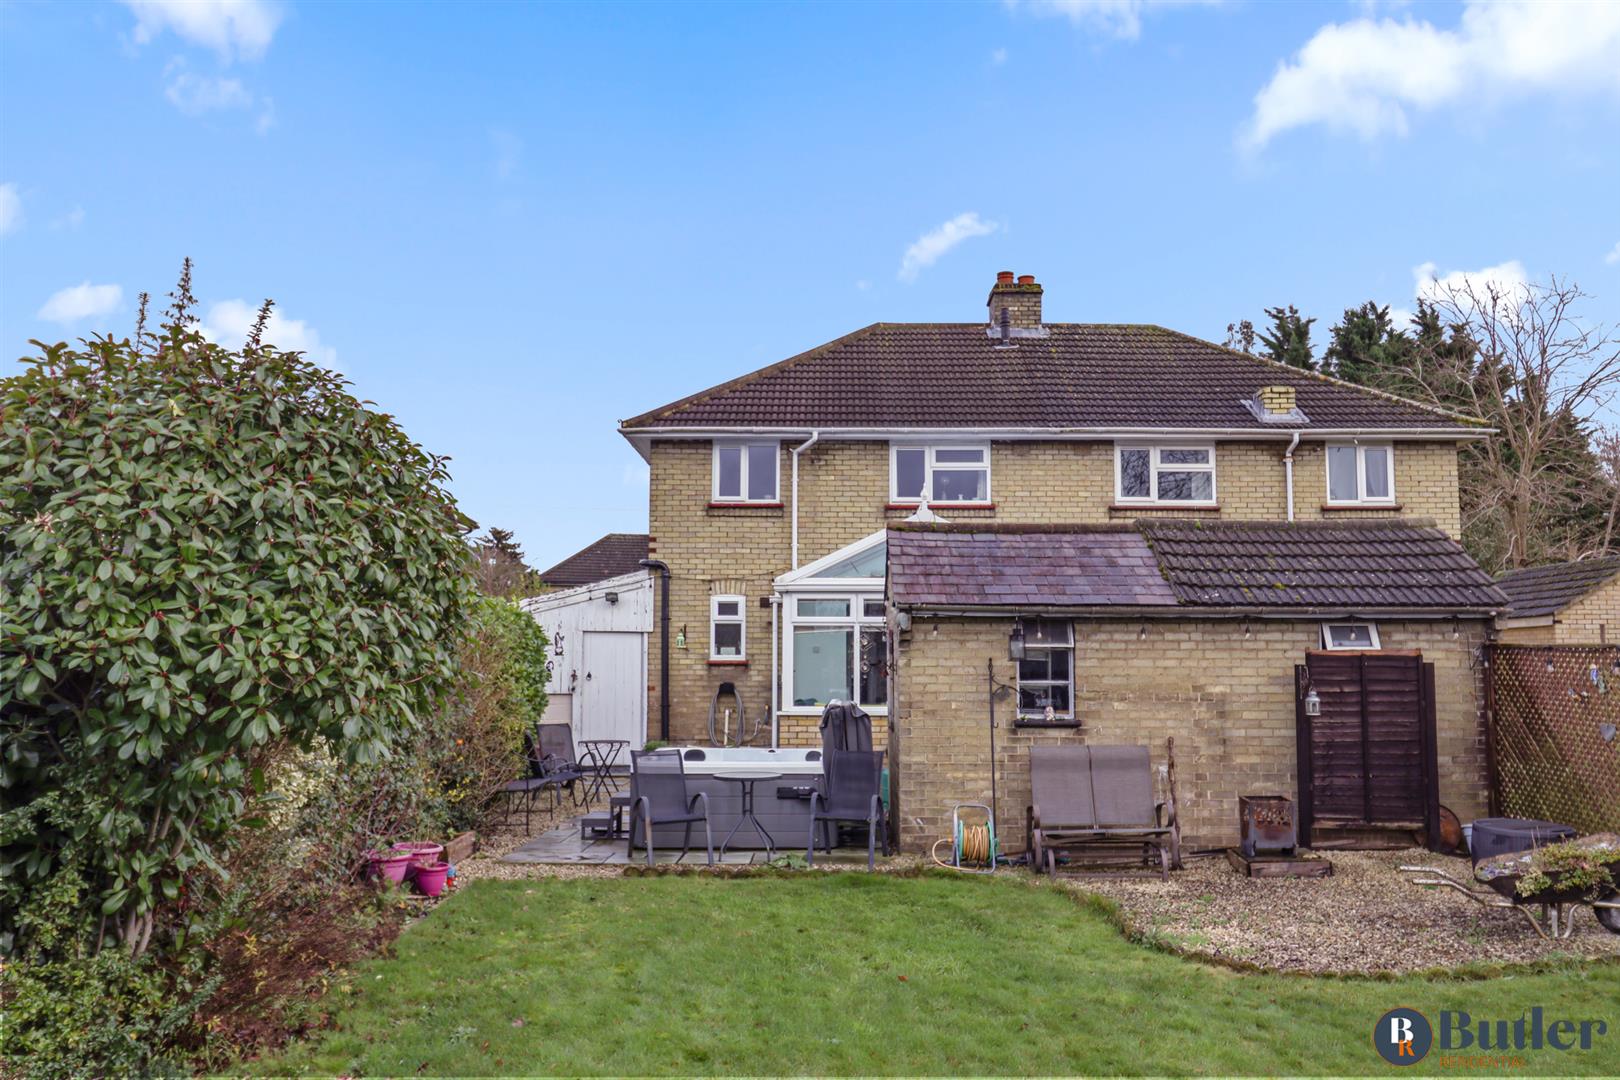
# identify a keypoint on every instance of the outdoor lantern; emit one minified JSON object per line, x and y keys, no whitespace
{"x":1015,"y":641}
{"x":680,"y":638}
{"x":612,"y":597}
{"x":1313,"y":703}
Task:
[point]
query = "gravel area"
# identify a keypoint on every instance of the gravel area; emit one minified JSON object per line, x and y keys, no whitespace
{"x":1365,"y":918}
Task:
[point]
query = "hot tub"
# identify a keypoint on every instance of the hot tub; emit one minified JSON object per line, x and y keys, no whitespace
{"x":782,"y":806}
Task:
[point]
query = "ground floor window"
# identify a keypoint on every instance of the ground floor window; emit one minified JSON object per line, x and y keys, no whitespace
{"x":1046,"y":673}
{"x":727,"y":621}
{"x":1349,"y":636}
{"x":835,"y":651}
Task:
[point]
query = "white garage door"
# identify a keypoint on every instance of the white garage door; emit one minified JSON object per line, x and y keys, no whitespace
{"x":612,"y":691}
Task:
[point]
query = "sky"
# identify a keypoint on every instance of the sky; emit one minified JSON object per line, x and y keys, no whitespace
{"x":513,"y":225}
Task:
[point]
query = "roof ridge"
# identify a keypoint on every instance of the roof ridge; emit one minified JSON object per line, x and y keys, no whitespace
{"x":1330,"y":379}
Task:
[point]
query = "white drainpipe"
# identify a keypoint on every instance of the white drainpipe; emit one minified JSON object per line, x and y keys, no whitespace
{"x":1288,"y":471}
{"x":776,"y":603}
{"x":797,"y":450}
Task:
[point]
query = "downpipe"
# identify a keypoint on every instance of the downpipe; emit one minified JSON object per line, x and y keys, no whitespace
{"x":663,"y":644}
{"x":1288,"y":472}
{"x":815,"y":436}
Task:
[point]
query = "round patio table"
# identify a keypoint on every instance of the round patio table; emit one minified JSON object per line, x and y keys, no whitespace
{"x":747,"y":781}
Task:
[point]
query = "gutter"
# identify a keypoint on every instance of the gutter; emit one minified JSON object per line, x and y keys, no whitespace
{"x":815,"y":436}
{"x":663,"y":644}
{"x":1288,"y":472}
{"x":1117,"y":611}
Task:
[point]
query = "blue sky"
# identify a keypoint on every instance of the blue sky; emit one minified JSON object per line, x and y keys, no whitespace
{"x":513,"y":225}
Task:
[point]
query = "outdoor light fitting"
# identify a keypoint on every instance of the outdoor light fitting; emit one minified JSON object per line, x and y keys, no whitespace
{"x":1313,"y":703}
{"x":1015,"y":641}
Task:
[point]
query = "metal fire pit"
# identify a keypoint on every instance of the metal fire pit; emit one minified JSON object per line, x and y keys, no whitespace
{"x":1266,"y":825}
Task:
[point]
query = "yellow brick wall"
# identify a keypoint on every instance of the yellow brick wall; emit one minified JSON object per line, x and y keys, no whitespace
{"x":1593,"y":619}
{"x":1226,"y":697}
{"x":844,"y":491}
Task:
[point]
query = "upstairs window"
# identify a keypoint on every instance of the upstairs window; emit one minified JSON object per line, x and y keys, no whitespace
{"x":1361,"y":473}
{"x":745,"y":472}
{"x":727,"y":623}
{"x":1164,"y":474}
{"x":946,"y":474}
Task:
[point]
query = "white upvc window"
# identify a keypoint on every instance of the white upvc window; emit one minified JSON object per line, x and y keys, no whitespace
{"x":835,"y":649}
{"x":746,"y":472}
{"x":728,"y":628}
{"x":1179,"y":474}
{"x":1350,"y":635}
{"x":1360,"y":474}
{"x":1046,"y":673}
{"x":946,"y":473}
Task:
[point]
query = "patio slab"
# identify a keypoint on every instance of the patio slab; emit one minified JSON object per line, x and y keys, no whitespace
{"x":562,"y":845}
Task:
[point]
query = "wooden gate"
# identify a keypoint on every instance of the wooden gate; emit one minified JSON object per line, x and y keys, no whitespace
{"x":1368,"y":760}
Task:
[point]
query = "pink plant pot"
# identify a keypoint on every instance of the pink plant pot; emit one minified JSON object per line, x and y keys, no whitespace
{"x":391,"y":865}
{"x":430,"y":877}
{"x":420,"y":852}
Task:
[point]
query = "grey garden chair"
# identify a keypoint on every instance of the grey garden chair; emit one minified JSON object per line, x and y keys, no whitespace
{"x":1094,"y":797}
{"x":559,"y":768}
{"x":658,"y":796}
{"x":854,"y":793}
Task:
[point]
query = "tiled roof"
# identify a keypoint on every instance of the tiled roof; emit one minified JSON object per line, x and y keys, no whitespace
{"x":982,"y":566}
{"x":611,"y":556}
{"x":1189,"y":564}
{"x":1382,"y":564}
{"x":1542,"y":590}
{"x":1076,"y":376}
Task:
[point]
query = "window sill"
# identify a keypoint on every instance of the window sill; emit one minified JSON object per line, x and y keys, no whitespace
{"x":745,"y":506}
{"x":1189,"y":508}
{"x":811,"y":710}
{"x":1072,"y":725}
{"x":1331,"y":508}
{"x":728,"y":661}
{"x":945,"y":507}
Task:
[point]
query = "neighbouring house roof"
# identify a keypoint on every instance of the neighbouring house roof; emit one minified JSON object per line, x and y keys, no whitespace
{"x":611,"y":556}
{"x":1543,"y":590}
{"x":1307,"y":566}
{"x":1072,"y":375}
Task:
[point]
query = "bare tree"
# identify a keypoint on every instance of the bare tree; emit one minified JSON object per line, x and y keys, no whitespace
{"x":1537,"y":373}
{"x":1607,"y":444}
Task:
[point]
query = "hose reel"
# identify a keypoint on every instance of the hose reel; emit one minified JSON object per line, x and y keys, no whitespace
{"x":974,"y":847}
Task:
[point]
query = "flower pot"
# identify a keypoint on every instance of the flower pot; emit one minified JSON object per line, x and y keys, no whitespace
{"x":388,"y":864}
{"x":430,"y":877}
{"x":420,"y":852}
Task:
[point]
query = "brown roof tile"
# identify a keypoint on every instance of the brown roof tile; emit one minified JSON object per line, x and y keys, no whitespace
{"x":1077,"y":376}
{"x":1543,"y":590}
{"x":611,"y":556}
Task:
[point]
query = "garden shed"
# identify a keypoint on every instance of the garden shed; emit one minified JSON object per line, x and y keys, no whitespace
{"x":598,"y":643}
{"x":1569,"y":603}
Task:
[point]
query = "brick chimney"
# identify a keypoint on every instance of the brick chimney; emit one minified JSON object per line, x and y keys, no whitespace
{"x":1020,"y":298}
{"x":1277,"y":400}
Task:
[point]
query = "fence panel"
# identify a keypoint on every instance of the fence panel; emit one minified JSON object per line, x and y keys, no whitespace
{"x":1555,"y":710}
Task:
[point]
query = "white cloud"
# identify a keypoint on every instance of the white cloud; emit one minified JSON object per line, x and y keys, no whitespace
{"x":1613,"y":257}
{"x":11,"y":213}
{"x":1367,"y":76}
{"x":196,"y":94}
{"x":1506,"y":279}
{"x":230,"y":27}
{"x":82,"y":301}
{"x":71,"y":220}
{"x":1116,"y":18}
{"x":933,"y":244}
{"x":998,"y":56}
{"x":229,"y":322}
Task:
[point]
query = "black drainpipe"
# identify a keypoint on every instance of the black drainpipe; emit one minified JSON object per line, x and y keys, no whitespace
{"x":663,"y":644}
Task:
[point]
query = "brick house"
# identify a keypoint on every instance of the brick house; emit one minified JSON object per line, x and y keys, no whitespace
{"x":1570,"y":603}
{"x":1170,"y":525}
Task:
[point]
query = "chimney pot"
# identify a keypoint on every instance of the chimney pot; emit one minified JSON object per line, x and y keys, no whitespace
{"x":1016,"y":301}
{"x":1026,"y":279}
{"x":1005,"y":277}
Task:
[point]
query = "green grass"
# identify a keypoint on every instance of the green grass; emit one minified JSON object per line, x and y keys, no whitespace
{"x":851,"y":973}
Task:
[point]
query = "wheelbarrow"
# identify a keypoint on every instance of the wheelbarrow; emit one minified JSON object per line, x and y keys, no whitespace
{"x":1550,"y":911}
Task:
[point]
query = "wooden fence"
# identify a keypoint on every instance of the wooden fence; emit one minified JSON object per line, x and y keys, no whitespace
{"x":1554,"y":733}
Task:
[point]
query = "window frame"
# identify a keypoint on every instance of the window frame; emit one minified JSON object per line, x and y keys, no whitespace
{"x":740,"y":620}
{"x":1361,"y":448}
{"x":1155,"y":467}
{"x":1372,"y":633}
{"x":1068,"y":719}
{"x":741,"y":498}
{"x":856,"y":621}
{"x":930,"y":450}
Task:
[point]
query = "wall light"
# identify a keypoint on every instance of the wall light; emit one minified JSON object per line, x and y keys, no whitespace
{"x":1015,"y":641}
{"x":1313,"y":703}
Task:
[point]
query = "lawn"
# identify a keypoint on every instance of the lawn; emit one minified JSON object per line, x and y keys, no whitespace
{"x":850,"y":973}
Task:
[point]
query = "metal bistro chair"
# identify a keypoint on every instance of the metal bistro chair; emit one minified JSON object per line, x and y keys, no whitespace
{"x":559,"y":768}
{"x":658,"y":796}
{"x":854,"y":793}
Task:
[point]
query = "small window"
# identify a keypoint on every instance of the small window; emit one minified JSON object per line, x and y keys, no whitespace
{"x":1349,"y":636}
{"x":727,"y":626}
{"x":1046,"y":673}
{"x":947,"y":474}
{"x":1359,"y":473}
{"x":1165,"y":474}
{"x":745,"y":472}
{"x":819,"y":608}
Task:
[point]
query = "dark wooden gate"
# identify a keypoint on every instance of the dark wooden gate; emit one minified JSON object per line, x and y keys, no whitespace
{"x":1368,"y":760}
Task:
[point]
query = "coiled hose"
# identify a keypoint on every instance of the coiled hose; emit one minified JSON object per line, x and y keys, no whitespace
{"x":977,"y":847}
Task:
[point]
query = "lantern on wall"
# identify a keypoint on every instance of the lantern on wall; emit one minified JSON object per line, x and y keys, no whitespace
{"x":1313,"y":702}
{"x":1015,"y":641}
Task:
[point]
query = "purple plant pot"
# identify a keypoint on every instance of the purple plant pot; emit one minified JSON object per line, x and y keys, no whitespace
{"x":391,"y":865}
{"x":430,"y":877}
{"x":420,"y":852}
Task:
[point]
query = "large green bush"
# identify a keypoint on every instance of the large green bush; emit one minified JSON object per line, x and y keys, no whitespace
{"x":202,"y":552}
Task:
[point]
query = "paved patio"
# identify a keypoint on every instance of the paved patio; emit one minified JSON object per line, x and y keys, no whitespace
{"x":563,"y":845}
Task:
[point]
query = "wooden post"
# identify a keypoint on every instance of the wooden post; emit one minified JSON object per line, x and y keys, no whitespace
{"x":1170,"y":800}
{"x":1431,"y":756}
{"x":1492,"y":781}
{"x":1302,"y":756}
